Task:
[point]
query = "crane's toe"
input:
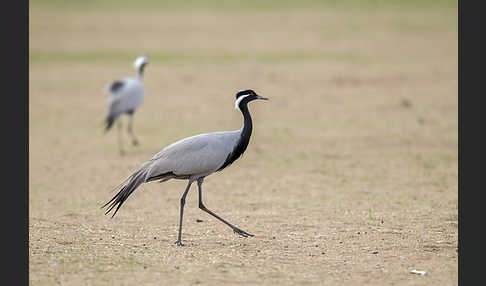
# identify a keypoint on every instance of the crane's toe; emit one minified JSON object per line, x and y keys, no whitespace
{"x":179,"y":243}
{"x":135,"y":142}
{"x":242,"y":232}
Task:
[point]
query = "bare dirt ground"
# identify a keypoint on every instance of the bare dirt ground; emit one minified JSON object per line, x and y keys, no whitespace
{"x":350,"y":177}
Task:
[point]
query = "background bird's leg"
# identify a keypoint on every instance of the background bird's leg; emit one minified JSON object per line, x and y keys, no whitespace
{"x":120,"y":141}
{"x":130,"y":131}
{"x":183,"y":202}
{"x":201,"y":206}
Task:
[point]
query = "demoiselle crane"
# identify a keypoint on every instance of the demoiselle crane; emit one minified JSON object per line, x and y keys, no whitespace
{"x":193,"y":159}
{"x":126,"y":95}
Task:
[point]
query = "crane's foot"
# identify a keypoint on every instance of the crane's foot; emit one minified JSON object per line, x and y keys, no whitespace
{"x":179,"y":243}
{"x":242,"y":232}
{"x":135,"y":142}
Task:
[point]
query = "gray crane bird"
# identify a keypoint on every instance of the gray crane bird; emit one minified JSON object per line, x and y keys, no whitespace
{"x":193,"y":159}
{"x":126,"y":95}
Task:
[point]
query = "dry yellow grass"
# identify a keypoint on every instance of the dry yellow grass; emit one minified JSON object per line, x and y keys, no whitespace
{"x":350,"y":177}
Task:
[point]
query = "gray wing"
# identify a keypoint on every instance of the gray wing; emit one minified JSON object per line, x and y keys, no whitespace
{"x":125,"y":95}
{"x":196,"y":155}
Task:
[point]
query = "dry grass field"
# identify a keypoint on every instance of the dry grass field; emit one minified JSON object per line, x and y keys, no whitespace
{"x":350,"y":177}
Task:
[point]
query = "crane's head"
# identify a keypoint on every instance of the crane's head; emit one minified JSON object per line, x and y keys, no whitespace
{"x":245,"y":96}
{"x":140,"y":62}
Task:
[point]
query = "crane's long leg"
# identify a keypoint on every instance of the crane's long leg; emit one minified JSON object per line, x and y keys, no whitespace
{"x":120,"y":140}
{"x":201,"y":206}
{"x":183,"y":202}
{"x":130,"y":130}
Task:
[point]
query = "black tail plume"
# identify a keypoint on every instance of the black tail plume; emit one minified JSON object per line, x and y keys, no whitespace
{"x":109,"y":122}
{"x":134,"y":181}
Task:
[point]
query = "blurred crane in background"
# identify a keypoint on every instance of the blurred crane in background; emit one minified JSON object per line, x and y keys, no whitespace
{"x":126,"y":95}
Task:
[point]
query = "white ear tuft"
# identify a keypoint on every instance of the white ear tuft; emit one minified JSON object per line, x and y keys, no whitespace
{"x":139,"y":61}
{"x":239,"y":99}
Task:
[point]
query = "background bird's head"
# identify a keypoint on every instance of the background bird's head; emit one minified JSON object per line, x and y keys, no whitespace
{"x":140,"y":62}
{"x":245,"y":96}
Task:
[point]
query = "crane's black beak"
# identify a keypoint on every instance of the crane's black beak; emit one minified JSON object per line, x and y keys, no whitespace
{"x":261,"y":97}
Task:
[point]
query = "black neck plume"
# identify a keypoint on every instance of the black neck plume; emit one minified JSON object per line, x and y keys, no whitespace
{"x":244,"y":137}
{"x":140,"y":70}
